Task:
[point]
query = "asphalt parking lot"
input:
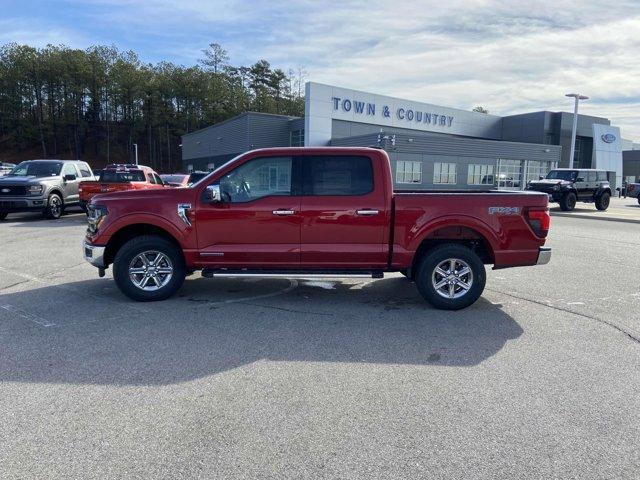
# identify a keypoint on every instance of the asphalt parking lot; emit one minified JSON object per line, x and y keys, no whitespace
{"x":272,"y":378}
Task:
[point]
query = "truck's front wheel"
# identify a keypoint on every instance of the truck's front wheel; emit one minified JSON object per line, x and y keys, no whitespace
{"x":149,"y":268}
{"x":451,"y":277}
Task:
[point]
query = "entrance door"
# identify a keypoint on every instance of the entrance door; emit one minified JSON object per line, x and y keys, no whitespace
{"x":509,"y":175}
{"x":258,"y":221}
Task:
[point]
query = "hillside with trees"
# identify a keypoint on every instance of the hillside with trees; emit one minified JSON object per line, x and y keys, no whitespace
{"x":95,"y":104}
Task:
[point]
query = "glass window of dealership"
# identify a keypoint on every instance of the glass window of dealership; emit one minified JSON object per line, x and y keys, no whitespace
{"x":430,"y":146}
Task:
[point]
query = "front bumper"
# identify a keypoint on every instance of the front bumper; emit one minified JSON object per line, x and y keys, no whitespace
{"x":544,"y":256}
{"x":22,"y":204}
{"x":94,"y":254}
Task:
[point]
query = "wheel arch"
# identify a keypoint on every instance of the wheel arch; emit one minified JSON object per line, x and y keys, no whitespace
{"x":475,"y":237}
{"x":128,"y":232}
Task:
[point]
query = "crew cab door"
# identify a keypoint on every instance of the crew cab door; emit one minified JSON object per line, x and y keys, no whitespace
{"x":257,"y":223}
{"x":70,"y":186}
{"x":345,"y":213}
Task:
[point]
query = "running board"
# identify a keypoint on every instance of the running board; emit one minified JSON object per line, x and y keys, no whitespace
{"x":223,"y":272}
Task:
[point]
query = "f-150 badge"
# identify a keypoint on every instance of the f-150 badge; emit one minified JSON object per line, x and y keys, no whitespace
{"x":504,"y":210}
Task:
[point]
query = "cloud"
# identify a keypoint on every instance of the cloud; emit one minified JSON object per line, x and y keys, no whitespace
{"x":510,"y":56}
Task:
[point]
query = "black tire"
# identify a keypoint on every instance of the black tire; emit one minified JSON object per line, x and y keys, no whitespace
{"x":602,"y":202}
{"x":426,"y":276}
{"x":568,"y":201}
{"x":3,"y":215}
{"x":54,"y":208}
{"x":405,"y":273}
{"x":132,"y":250}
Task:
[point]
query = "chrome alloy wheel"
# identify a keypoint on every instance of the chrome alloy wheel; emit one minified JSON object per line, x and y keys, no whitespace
{"x":150,"y":270}
{"x":452,"y":278}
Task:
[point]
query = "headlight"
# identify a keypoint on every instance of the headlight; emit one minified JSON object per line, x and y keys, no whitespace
{"x":95,"y":216}
{"x":35,"y":189}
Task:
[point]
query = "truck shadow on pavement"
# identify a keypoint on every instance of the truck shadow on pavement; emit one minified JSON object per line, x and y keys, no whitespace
{"x":102,"y":338}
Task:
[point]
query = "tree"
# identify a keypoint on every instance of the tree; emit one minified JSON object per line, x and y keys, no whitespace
{"x":480,"y":109}
{"x":94,"y":104}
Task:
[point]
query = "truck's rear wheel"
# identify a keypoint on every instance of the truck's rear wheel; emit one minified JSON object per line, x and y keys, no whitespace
{"x":451,"y":277}
{"x":602,"y":202}
{"x":568,"y":202}
{"x":149,"y":268}
{"x":3,"y":215}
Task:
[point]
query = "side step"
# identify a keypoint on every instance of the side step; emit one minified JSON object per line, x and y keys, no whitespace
{"x":224,"y":272}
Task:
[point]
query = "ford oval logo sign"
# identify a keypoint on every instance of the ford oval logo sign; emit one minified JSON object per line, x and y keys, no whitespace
{"x":608,"y":138}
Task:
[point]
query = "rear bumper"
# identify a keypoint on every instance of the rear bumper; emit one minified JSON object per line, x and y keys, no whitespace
{"x":94,"y":254}
{"x":544,"y":256}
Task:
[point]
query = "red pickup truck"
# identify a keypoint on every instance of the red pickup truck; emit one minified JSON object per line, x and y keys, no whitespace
{"x":117,"y":178}
{"x":298,"y":211}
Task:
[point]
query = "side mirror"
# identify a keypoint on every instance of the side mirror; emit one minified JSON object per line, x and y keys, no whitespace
{"x":212,"y":194}
{"x":579,"y":179}
{"x":541,"y":177}
{"x":70,"y":177}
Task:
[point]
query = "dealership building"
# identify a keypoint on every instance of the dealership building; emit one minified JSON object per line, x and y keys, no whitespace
{"x":430,"y":146}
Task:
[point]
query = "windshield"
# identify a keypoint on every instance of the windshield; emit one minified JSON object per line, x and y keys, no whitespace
{"x":172,"y":178}
{"x":196,"y":177}
{"x":569,"y":175}
{"x":121,"y":177}
{"x":37,"y":169}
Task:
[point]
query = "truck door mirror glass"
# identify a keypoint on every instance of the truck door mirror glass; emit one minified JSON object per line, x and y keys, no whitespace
{"x":579,"y":179}
{"x":69,"y":177}
{"x":212,"y":194}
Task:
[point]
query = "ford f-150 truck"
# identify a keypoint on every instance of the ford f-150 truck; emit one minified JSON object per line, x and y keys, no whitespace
{"x":325,"y":210}
{"x":119,"y":177}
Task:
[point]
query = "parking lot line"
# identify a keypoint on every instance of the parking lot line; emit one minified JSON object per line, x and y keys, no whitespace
{"x":43,"y":322}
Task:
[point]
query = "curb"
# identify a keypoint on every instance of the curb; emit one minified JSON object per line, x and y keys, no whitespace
{"x":595,"y":217}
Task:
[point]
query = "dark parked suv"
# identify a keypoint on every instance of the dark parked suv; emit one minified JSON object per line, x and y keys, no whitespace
{"x":566,"y":186}
{"x":48,"y":186}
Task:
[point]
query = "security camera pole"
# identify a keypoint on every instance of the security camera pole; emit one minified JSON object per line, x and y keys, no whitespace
{"x":135,"y":145}
{"x":574,"y":132}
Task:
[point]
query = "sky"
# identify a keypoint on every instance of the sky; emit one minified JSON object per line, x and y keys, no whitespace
{"x":508,"y":56}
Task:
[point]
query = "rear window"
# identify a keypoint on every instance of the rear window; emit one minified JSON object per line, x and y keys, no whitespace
{"x":602,"y":176}
{"x":115,"y":176}
{"x":337,"y":175}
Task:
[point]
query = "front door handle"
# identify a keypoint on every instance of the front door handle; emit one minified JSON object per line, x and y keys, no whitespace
{"x":367,"y":212}
{"x":283,"y":213}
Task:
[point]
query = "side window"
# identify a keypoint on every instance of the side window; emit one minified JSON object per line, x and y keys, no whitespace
{"x":337,"y":175}
{"x":157,"y":179}
{"x":260,"y":177}
{"x":582,"y":176}
{"x":601,"y":176}
{"x":84,"y":170}
{"x":69,"y":169}
{"x":591,"y":177}
{"x":150,"y":178}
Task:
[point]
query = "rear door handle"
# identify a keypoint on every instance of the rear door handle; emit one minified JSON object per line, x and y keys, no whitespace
{"x":367,"y":212}
{"x":283,"y":213}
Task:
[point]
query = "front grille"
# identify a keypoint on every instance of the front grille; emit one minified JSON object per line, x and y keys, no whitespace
{"x":12,"y":203}
{"x":8,"y":190}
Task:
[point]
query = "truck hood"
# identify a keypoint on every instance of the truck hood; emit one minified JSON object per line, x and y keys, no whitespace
{"x":23,"y":180}
{"x":155,"y":194}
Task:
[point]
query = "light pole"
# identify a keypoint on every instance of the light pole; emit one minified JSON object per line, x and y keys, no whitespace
{"x":135,"y":145}
{"x":574,"y":129}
